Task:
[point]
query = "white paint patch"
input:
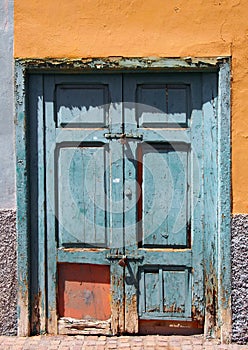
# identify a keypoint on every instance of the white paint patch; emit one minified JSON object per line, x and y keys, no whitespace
{"x":116,"y":181}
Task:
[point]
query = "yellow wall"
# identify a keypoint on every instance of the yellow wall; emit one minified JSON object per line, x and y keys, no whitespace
{"x":168,"y":28}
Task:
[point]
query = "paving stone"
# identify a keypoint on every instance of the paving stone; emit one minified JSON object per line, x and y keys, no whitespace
{"x":90,"y":342}
{"x":101,"y":342}
{"x":186,"y":346}
{"x":100,"y":347}
{"x":162,"y":342}
{"x":124,"y":339}
{"x":150,"y":342}
{"x":111,"y":346}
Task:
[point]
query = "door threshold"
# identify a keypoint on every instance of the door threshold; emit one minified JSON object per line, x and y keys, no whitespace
{"x":73,"y":326}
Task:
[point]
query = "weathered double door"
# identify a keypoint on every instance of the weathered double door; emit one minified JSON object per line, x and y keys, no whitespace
{"x":121,"y":167}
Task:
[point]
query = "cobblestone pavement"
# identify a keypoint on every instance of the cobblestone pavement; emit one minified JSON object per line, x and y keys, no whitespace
{"x":150,"y":342}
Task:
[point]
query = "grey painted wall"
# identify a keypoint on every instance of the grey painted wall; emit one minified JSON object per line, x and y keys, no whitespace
{"x":240,"y":278}
{"x":7,"y":168}
{"x":8,"y":283}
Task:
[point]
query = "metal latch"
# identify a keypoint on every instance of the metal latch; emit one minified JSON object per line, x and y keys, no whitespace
{"x":123,"y":259}
{"x":123,"y":136}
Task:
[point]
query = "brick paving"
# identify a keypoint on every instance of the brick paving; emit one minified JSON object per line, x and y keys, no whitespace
{"x":149,"y":342}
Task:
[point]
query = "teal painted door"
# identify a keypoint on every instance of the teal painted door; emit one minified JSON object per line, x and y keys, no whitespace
{"x":163,"y":208}
{"x":120,"y":163}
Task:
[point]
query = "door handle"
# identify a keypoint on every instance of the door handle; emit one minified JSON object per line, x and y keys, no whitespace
{"x":123,"y":136}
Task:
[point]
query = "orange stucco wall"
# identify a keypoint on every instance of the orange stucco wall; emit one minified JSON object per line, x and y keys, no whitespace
{"x":172,"y":28}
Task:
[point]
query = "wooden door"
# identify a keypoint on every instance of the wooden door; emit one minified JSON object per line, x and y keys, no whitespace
{"x":121,"y":165}
{"x":163,"y":207}
{"x":84,"y":189}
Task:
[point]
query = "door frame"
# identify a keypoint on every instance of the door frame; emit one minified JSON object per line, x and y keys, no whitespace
{"x":217,"y":261}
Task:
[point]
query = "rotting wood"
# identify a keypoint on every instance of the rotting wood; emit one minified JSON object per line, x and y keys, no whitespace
{"x":68,"y":325}
{"x":117,"y":317}
{"x":131,"y":321}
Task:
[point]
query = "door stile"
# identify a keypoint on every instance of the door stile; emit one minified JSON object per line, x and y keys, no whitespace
{"x":116,"y":237}
{"x":50,"y":149}
{"x":116,"y":216}
{"x":196,"y":205}
{"x":132,"y":192}
{"x":130,"y":234}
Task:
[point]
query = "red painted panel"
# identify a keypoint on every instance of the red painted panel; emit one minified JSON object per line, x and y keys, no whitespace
{"x":84,"y":291}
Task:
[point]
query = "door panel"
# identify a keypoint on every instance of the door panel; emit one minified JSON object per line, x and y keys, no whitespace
{"x":83,"y":291}
{"x":165,"y":293}
{"x":165,"y":202}
{"x":82,"y":105}
{"x":162,"y":105}
{"x":82,"y":211}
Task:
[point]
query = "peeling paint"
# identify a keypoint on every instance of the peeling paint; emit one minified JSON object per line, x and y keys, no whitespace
{"x":121,"y":63}
{"x":174,"y":309}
